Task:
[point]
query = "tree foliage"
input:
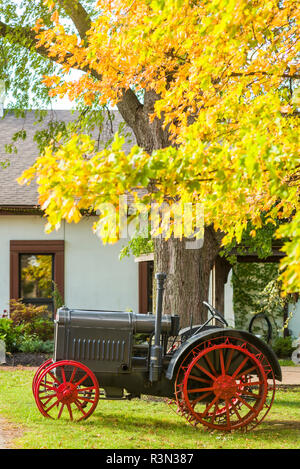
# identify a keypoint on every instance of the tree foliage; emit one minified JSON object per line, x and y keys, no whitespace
{"x":220,"y":77}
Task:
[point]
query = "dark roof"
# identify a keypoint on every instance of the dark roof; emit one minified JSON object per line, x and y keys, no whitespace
{"x":11,"y":193}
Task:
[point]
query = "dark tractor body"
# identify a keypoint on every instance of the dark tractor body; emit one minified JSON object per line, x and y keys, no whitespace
{"x":220,"y":377}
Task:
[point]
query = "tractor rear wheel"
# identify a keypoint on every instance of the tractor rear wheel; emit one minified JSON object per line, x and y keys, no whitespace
{"x":225,"y":384}
{"x":66,"y":389}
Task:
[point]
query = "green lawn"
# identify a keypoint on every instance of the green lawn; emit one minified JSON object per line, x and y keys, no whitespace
{"x":138,"y":423}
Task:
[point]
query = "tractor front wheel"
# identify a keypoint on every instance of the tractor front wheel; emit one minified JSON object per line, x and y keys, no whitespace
{"x":66,"y":388}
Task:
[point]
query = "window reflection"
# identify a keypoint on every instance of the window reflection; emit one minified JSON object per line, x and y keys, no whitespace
{"x":36,"y":276}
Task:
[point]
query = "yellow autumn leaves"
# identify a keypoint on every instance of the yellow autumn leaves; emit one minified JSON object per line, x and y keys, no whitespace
{"x":225,"y":73}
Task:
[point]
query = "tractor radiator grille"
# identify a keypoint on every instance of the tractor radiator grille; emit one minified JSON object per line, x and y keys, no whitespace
{"x":104,"y":350}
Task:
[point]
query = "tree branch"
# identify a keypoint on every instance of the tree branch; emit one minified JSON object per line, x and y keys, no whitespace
{"x":78,"y":15}
{"x":129,"y":105}
{"x":250,"y":74}
{"x":23,"y":36}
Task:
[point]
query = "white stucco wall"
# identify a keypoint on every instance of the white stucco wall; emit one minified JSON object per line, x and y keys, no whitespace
{"x":228,"y":297}
{"x":294,"y":321}
{"x":228,"y":301}
{"x":95,"y":278}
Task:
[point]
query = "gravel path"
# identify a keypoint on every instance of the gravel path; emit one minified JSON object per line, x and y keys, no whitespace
{"x":290,"y":375}
{"x":8,"y":432}
{"x":3,"y":442}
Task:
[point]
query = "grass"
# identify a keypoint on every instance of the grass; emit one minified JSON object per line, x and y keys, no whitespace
{"x":286,"y":362}
{"x":138,"y":424}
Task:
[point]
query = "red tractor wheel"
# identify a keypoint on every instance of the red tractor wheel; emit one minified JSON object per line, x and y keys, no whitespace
{"x":224,"y":385}
{"x":41,"y":368}
{"x":67,"y":388}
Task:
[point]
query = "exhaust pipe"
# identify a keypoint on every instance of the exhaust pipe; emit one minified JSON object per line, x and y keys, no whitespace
{"x":156,"y":349}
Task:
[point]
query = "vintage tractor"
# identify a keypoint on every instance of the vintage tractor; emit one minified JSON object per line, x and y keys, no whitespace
{"x":220,"y":377}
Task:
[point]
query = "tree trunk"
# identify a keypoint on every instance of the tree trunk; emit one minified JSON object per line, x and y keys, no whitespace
{"x":188,"y":270}
{"x":188,"y":273}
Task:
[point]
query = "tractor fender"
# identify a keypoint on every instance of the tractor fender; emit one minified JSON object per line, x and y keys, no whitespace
{"x":192,"y":341}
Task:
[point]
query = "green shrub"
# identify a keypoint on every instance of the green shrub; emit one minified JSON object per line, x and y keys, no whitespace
{"x":35,"y":319}
{"x":283,"y":347}
{"x":12,"y":335}
{"x":29,"y":329}
{"x":47,"y":347}
{"x":57,"y":298}
{"x":32,"y":344}
{"x":17,"y":339}
{"x":43,"y":328}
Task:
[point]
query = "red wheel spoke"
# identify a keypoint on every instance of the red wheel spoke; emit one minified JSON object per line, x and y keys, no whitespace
{"x":210,"y":405}
{"x":81,"y":380}
{"x":199,"y":399}
{"x":79,"y":406}
{"x":46,"y":389}
{"x":48,"y":385}
{"x":85,"y":399}
{"x":73,"y":374}
{"x":205,"y":371}
{"x":63,"y":374}
{"x":240,"y":367}
{"x":200,"y":390}
{"x":251,"y":383}
{"x":229,"y":360}
{"x":210,"y":364}
{"x":51,"y":407}
{"x":245,"y":373}
{"x":222,"y":362}
{"x":246,"y":403}
{"x":89,"y":395}
{"x":90,"y":388}
{"x":70,"y":411}
{"x":251,"y":392}
{"x":47,"y":402}
{"x":236,"y":411}
{"x":227,"y":414}
{"x":202,"y":380}
{"x":60,"y":411}
{"x":212,"y":419}
{"x":48,"y":396}
{"x":54,"y":377}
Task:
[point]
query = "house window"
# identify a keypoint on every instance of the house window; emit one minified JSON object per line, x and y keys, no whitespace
{"x":36,"y":279}
{"x":35,"y":267}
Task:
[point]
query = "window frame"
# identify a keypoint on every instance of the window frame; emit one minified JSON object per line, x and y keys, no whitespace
{"x":145,"y":287}
{"x":56,"y":248}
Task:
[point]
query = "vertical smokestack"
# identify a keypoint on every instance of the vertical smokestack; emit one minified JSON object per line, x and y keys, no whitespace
{"x":156,"y":349}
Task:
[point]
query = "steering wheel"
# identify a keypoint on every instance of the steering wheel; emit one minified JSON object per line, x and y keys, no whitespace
{"x":215,"y":314}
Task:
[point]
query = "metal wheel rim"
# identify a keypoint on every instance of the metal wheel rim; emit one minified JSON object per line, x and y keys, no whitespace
{"x":263,"y":404}
{"x":39,"y":371}
{"x":64,"y":395}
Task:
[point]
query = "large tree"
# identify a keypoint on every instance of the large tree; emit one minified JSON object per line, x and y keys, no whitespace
{"x":208,"y":90}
